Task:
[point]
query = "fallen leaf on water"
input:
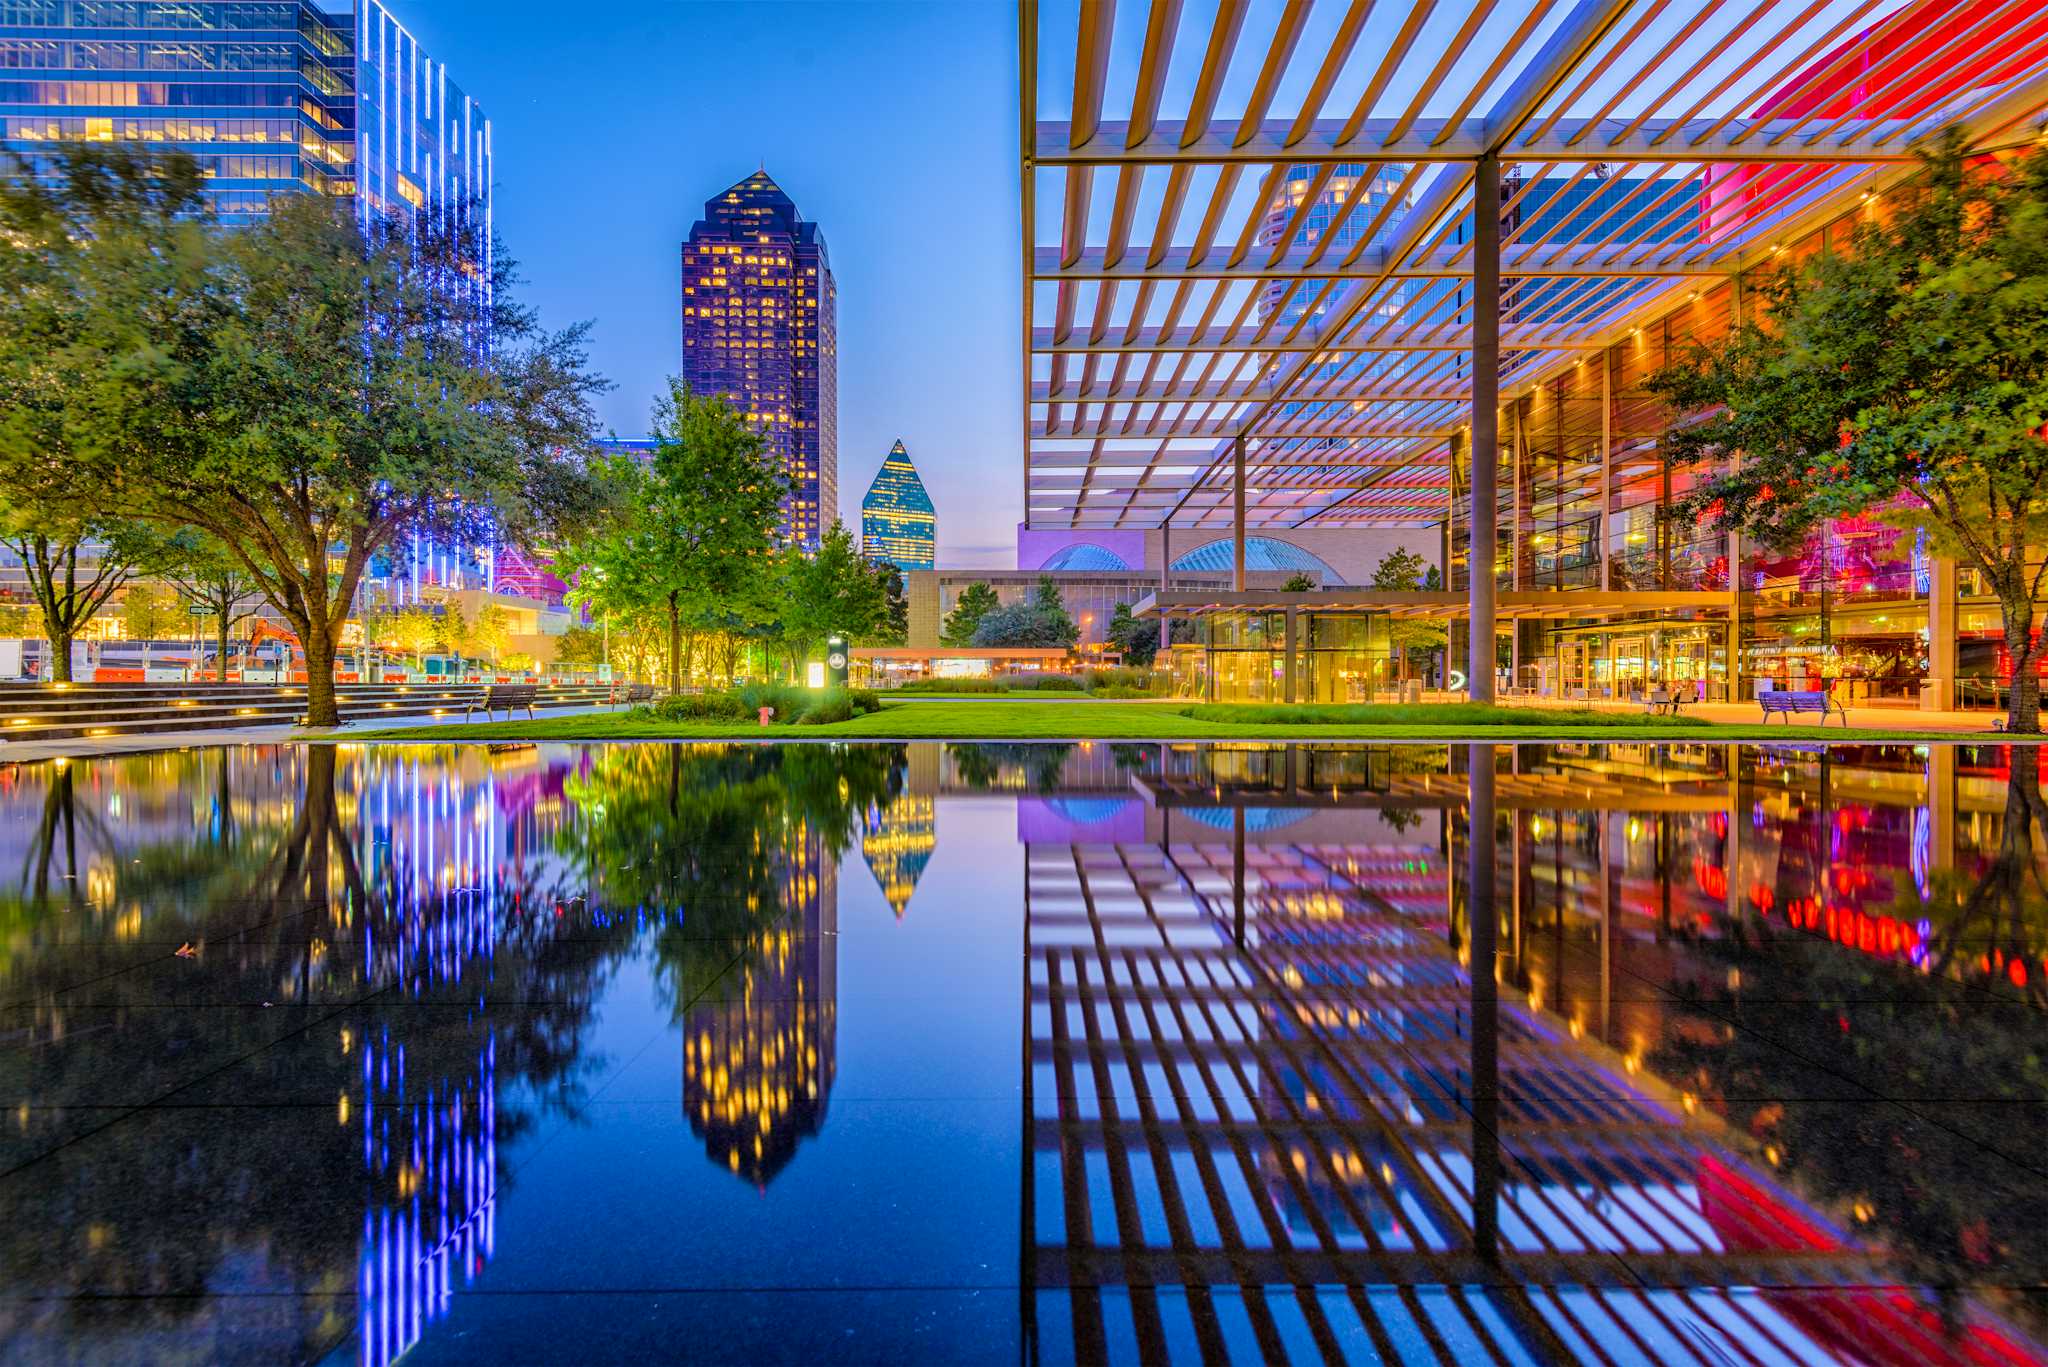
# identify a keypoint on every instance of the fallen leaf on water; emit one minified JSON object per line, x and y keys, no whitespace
{"x":186,"y":951}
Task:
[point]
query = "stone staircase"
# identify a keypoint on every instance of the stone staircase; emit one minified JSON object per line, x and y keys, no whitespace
{"x":97,"y":711}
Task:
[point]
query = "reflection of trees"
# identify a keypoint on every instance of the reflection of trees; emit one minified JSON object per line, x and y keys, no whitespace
{"x":166,"y":1205}
{"x":701,"y":837}
{"x":1010,"y":765}
{"x":1956,"y":1020}
{"x":733,"y":851}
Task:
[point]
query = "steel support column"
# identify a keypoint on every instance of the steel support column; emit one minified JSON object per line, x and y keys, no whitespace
{"x":1485,"y":424}
{"x":1165,"y":582}
{"x":1939,"y":692}
{"x":1237,"y":515}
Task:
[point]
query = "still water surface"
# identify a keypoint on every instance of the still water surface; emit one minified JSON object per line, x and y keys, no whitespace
{"x":1024,"y":1054}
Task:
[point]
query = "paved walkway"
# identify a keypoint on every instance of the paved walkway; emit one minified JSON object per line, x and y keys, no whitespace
{"x":1750,"y":714}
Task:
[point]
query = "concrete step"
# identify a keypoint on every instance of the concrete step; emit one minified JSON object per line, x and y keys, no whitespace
{"x":167,"y":721}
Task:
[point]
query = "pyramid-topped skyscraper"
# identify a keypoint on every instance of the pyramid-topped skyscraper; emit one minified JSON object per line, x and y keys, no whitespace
{"x":759,"y":326}
{"x":897,"y":521}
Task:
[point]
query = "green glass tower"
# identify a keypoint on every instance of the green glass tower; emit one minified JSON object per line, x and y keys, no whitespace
{"x":897,"y":523}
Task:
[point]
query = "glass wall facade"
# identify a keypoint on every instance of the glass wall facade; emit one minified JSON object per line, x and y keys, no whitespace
{"x":270,"y":96}
{"x":897,"y":521}
{"x":759,"y":327}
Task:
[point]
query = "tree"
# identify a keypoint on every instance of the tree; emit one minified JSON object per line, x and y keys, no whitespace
{"x":149,"y":614}
{"x":412,"y":629}
{"x":1433,"y":581}
{"x":490,"y":631}
{"x":1401,"y":570}
{"x":315,"y":389}
{"x":1298,"y":583}
{"x":211,"y":576}
{"x":691,"y":530}
{"x":832,"y":590}
{"x":580,"y":648}
{"x":1136,"y":641}
{"x":1903,"y":373}
{"x":976,"y":601}
{"x":1052,"y":607}
{"x":895,"y":628}
{"x":77,"y":251}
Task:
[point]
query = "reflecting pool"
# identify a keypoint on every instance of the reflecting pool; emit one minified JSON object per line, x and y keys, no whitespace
{"x":1025,"y":1053}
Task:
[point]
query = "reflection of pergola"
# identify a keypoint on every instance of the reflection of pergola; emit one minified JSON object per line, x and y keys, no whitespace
{"x":1309,"y":311}
{"x":1271,"y":1115}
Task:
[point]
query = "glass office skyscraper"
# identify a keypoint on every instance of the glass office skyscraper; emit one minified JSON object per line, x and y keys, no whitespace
{"x":271,"y":97}
{"x":897,"y":522}
{"x":759,"y":311}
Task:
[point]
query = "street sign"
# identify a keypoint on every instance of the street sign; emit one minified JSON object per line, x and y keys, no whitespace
{"x":199,"y":609}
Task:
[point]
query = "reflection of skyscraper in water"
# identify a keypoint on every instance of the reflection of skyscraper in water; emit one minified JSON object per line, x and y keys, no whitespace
{"x":758,"y":1051}
{"x":897,"y":840}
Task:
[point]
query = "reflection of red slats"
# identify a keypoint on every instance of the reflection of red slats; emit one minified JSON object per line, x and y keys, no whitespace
{"x":1884,"y":1327}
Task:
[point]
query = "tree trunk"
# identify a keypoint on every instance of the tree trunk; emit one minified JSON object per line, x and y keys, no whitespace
{"x":2023,"y":713}
{"x":675,"y":645}
{"x":220,"y":661}
{"x":322,"y":707}
{"x":60,"y":652}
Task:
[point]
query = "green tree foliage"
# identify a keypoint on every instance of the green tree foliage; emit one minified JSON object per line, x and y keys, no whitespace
{"x":83,"y":253}
{"x":690,"y":532}
{"x":210,"y":575}
{"x":309,"y":389}
{"x":413,"y":630}
{"x":1433,"y":580}
{"x":580,"y":648}
{"x":1137,"y":641}
{"x":1043,"y":623}
{"x":1904,"y":373}
{"x":895,"y":628}
{"x":1298,"y":583}
{"x":1398,"y":569}
{"x":1402,"y":570}
{"x":832,"y":590}
{"x":151,"y":613}
{"x":976,"y":601}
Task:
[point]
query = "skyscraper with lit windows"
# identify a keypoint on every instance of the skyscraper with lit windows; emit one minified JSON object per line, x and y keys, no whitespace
{"x":270,"y":96}
{"x":759,"y":314}
{"x":897,"y":521}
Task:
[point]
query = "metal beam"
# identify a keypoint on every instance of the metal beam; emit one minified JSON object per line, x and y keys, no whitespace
{"x":1570,"y":141}
{"x":1479,"y":557}
{"x":1593,"y":260}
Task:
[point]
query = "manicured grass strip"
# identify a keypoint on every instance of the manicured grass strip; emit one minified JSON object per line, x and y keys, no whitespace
{"x":997,"y":719}
{"x":1460,"y":714}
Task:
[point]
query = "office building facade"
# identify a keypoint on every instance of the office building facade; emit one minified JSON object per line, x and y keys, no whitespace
{"x":270,"y":96}
{"x":759,"y":315}
{"x":897,"y":521}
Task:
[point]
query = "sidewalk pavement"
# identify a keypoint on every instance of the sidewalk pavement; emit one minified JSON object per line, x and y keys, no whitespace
{"x":1750,"y":714}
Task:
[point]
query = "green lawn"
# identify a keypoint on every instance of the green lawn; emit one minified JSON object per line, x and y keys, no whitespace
{"x":1006,"y":719}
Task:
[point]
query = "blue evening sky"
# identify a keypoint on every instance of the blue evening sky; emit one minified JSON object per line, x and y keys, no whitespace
{"x":893,"y":126}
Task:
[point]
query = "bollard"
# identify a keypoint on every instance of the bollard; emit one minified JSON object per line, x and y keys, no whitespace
{"x":766,"y":713}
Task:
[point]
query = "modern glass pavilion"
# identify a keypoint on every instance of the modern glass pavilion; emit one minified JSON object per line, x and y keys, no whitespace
{"x":1233,"y":326}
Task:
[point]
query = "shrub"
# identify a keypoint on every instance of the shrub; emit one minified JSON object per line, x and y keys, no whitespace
{"x":1138,"y":682}
{"x":825,"y":709}
{"x":699,"y":707}
{"x":1116,"y":691}
{"x":864,"y":700}
{"x":952,"y":686}
{"x":1047,"y":683}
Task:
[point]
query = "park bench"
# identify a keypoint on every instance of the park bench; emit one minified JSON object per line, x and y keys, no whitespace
{"x":507,"y":696}
{"x":1784,"y":702}
{"x":1663,"y":700}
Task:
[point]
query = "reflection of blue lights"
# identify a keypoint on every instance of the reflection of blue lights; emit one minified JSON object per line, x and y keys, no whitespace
{"x":1255,"y":818}
{"x":1923,"y":850}
{"x":1090,"y":811}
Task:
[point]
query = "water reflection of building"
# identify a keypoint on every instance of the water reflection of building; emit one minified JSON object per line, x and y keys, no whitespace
{"x":1258,"y":1065}
{"x":758,"y":1061}
{"x":897,"y":840}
